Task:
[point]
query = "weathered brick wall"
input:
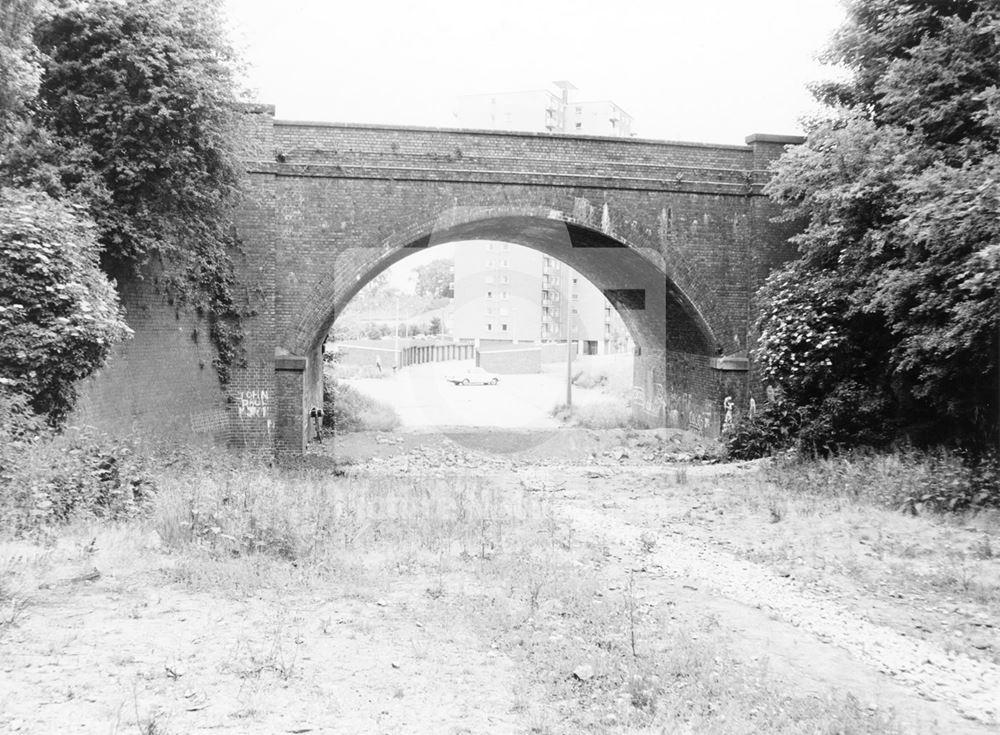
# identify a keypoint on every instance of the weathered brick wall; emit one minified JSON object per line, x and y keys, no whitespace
{"x":679,"y":233}
{"x":160,"y":383}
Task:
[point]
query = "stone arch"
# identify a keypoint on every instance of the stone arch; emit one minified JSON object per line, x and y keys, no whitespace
{"x":631,"y":271}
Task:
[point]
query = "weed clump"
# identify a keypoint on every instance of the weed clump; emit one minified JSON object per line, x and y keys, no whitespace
{"x":48,"y":477}
{"x":608,"y":414}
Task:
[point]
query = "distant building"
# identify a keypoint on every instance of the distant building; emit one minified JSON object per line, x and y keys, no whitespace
{"x":506,"y":292}
{"x":543,"y":111}
{"x":598,"y":118}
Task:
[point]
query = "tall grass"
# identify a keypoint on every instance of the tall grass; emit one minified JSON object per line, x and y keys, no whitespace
{"x":306,"y":516}
{"x":48,"y":477}
{"x":909,"y":480}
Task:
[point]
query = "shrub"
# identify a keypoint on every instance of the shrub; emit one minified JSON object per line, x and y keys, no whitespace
{"x":345,"y":409}
{"x":847,"y":416}
{"x":589,"y":379}
{"x":597,"y":415}
{"x":771,"y":429}
{"x":59,"y":315}
{"x":48,"y":478}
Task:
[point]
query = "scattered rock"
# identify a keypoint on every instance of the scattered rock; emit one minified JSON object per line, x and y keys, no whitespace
{"x":584,"y":672}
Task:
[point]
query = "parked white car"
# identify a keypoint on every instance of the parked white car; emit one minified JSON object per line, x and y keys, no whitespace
{"x":472,"y":376}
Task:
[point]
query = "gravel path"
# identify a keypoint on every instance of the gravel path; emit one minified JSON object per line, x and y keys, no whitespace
{"x":924,"y":682}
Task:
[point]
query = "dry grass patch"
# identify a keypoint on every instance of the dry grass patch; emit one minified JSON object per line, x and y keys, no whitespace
{"x":507,"y":565}
{"x":837,"y":528}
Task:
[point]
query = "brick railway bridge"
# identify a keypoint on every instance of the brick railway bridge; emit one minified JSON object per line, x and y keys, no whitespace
{"x":677,"y":235}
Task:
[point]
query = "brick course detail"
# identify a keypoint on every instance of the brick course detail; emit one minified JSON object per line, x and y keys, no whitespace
{"x":679,"y":233}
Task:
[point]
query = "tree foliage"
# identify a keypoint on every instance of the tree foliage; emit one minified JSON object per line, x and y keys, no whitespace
{"x":887,"y":321}
{"x":436,"y":279}
{"x":134,"y":115}
{"x":19,"y":68}
{"x":59,"y":314}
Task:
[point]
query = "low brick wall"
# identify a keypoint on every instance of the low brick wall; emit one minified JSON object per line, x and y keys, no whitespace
{"x":512,"y":361}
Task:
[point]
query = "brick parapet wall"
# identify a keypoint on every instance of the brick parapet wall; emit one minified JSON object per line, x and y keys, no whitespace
{"x":352,"y":151}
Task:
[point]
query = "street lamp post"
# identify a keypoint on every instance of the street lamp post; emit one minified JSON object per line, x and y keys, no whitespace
{"x":569,"y":345}
{"x":396,"y":365}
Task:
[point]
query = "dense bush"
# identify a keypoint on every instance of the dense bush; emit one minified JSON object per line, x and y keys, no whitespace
{"x":885,"y":325}
{"x":770,"y":430}
{"x":346,"y":409}
{"x":59,"y":314}
{"x":48,"y":477}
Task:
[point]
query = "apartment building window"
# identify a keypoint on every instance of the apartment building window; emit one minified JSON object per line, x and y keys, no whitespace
{"x":492,"y":246}
{"x":489,"y":310}
{"x":489,"y":263}
{"x":504,"y":263}
{"x":574,"y":281}
{"x":503,"y":295}
{"x":489,"y":294}
{"x":503,"y":327}
{"x":576,"y":296}
{"x":504,"y":279}
{"x":489,"y":327}
{"x":574,"y":310}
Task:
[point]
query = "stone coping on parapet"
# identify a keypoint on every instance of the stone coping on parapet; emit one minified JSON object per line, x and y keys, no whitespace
{"x":775,"y":139}
{"x":527,"y":134}
{"x":730,"y":363}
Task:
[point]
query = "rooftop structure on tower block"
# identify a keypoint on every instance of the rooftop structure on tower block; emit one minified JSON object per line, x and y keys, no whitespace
{"x":543,"y":110}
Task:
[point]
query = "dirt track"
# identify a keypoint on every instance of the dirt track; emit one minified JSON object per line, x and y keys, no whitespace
{"x":148,"y":641}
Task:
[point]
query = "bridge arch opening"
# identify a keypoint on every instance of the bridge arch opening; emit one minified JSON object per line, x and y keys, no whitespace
{"x":659,"y":314}
{"x":673,"y":380}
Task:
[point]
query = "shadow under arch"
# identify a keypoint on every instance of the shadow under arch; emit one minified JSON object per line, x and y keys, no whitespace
{"x":632,"y":275}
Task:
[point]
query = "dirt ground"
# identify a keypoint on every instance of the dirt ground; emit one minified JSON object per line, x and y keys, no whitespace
{"x":423,"y":398}
{"x":107,"y":631}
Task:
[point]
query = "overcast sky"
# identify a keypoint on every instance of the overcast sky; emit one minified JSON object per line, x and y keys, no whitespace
{"x":699,"y":70}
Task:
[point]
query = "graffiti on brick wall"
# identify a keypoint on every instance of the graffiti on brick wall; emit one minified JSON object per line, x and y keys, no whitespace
{"x":253,"y":403}
{"x":681,"y":410}
{"x":655,"y":404}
